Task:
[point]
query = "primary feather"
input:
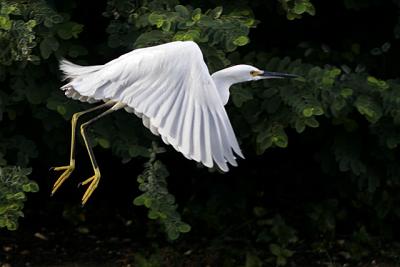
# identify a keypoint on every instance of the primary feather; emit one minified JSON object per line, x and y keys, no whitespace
{"x":170,"y":88}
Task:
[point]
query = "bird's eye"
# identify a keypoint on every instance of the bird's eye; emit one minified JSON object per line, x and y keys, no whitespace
{"x":253,"y":73}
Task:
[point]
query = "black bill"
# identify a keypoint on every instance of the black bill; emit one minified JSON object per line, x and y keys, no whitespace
{"x":269,"y":74}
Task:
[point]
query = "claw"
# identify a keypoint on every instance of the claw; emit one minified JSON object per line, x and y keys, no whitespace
{"x":67,"y":172}
{"x":61,"y":168}
{"x":94,"y":181}
{"x":86,"y":181}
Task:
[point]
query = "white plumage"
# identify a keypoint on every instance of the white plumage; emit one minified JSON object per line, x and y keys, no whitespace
{"x":170,"y":88}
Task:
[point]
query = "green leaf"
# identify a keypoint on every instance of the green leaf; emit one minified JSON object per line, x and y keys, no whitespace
{"x":392,"y":143}
{"x":166,"y":26}
{"x":156,"y":19}
{"x":292,"y":16}
{"x":11,"y":225}
{"x":152,"y":38}
{"x":31,"y":187}
{"x":241,"y":95}
{"x":19,"y":196}
{"x":136,"y":151}
{"x":196,"y":15}
{"x":300,"y":8}
{"x":191,"y":35}
{"x":241,"y":41}
{"x":318,"y":111}
{"x":184,"y":228}
{"x":310,"y":9}
{"x":300,"y":126}
{"x":26,"y":187}
{"x":369,"y":108}
{"x":153,"y":215}
{"x":56,"y":18}
{"x":62,"y":110}
{"x":376,"y":51}
{"x":139,"y":201}
{"x":216,"y":12}
{"x":182,"y":11}
{"x":69,"y":29}
{"x":385,"y":47}
{"x":30,"y":24}
{"x":2,"y":222}
{"x":312,"y":122}
{"x":275,"y":249}
{"x":76,"y":29}
{"x":147,"y":202}
{"x":9,"y":8}
{"x":264,"y":145}
{"x":48,"y":46}
{"x":104,"y":143}
{"x":346,"y":92}
{"x":338,"y":104}
{"x":5,"y":23}
{"x":173,"y":234}
{"x":279,"y":137}
{"x":308,"y":112}
{"x":382,"y":85}
{"x":252,"y":260}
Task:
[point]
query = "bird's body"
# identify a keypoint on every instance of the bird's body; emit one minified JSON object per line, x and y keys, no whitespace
{"x":170,"y":88}
{"x":175,"y":96}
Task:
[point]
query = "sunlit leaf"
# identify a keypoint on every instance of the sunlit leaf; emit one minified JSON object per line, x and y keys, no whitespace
{"x":241,"y":41}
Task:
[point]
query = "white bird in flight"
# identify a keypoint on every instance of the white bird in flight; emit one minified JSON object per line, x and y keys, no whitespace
{"x":170,"y":88}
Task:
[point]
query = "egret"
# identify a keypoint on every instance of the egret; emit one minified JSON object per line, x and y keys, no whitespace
{"x":170,"y":88}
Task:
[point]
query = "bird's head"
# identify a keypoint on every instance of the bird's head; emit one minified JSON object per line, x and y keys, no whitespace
{"x":224,"y":78}
{"x":244,"y":73}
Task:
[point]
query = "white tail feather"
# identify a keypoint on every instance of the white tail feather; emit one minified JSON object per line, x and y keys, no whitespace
{"x":72,"y":71}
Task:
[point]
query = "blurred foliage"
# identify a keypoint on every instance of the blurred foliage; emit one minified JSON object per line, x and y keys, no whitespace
{"x":275,"y":233}
{"x":157,"y":199}
{"x":165,"y":21}
{"x":296,"y":8}
{"x":14,"y":183}
{"x":343,"y":111}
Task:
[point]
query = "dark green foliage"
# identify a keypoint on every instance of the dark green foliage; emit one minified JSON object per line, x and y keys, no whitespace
{"x":157,"y":199}
{"x":24,"y":26}
{"x":320,"y":91}
{"x":165,"y":21}
{"x":14,"y":183}
{"x":277,"y":235}
{"x":296,"y":8}
{"x":30,"y":32}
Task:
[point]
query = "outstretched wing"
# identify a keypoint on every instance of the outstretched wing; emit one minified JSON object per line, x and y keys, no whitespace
{"x":169,"y":86}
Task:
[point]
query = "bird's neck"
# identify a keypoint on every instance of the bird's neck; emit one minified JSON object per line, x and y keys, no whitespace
{"x":223,"y":80}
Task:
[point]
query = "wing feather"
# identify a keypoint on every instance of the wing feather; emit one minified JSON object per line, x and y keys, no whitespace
{"x":187,"y":130}
{"x":227,"y":148}
{"x":229,"y":133}
{"x":202,"y":140}
{"x":208,"y":161}
{"x":196,"y":137}
{"x":170,"y":88}
{"x":217,"y":144}
{"x":174,"y":116}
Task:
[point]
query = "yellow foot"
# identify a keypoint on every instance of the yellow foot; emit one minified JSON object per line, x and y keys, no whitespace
{"x":67,"y":172}
{"x":94,"y":181}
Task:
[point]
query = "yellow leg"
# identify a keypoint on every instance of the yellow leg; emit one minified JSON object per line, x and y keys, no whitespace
{"x":69,"y":168}
{"x":93,"y":180}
